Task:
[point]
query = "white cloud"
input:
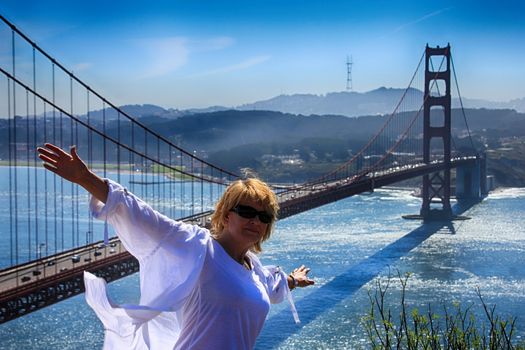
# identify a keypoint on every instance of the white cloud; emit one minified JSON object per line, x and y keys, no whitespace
{"x":236,"y":67}
{"x":421,"y":19}
{"x":82,"y":66}
{"x":164,"y":55}
{"x":213,"y":44}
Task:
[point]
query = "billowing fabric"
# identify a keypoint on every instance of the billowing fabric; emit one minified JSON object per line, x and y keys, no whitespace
{"x":193,"y":294}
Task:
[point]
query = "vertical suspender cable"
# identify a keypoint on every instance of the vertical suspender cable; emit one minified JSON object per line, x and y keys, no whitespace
{"x":170,"y":184}
{"x":173,"y":177}
{"x":11,"y":196}
{"x":28,"y":171}
{"x":211,"y":186}
{"x":154,"y":178}
{"x":90,"y":156}
{"x":159,"y":176}
{"x":104,"y":139}
{"x":192,"y":190}
{"x":71,"y":143}
{"x":461,"y":104}
{"x":55,"y":194}
{"x":164,"y":179}
{"x":154,"y":175}
{"x":118,"y":146}
{"x":61,"y":133}
{"x":45,"y":190}
{"x":106,"y":228}
{"x":132,"y":157}
{"x":182,"y":194}
{"x":15,"y":191}
{"x":77,"y":221}
{"x":34,"y":158}
{"x":35,"y":169}
{"x":202,"y":187}
{"x":144,"y":166}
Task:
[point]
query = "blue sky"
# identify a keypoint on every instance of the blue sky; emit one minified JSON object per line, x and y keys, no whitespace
{"x":184,"y":54}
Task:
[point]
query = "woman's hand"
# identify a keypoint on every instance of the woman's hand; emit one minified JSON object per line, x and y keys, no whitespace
{"x":68,"y":166}
{"x":72,"y":168}
{"x":299,"y":278}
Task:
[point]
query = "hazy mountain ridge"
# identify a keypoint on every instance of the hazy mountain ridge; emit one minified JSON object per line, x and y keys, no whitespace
{"x":136,"y":111}
{"x":232,"y":128}
{"x":350,"y":104}
{"x":517,"y":104}
{"x":237,"y":139}
{"x":379,"y":101}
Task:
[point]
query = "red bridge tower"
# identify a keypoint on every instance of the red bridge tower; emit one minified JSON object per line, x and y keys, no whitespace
{"x":436,"y":186}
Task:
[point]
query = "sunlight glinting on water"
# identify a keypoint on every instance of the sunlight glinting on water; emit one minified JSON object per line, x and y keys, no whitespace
{"x":349,"y":245}
{"x":486,"y":252}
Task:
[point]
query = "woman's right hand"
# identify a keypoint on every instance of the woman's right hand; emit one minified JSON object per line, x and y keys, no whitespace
{"x":68,"y":166}
{"x":72,"y":168}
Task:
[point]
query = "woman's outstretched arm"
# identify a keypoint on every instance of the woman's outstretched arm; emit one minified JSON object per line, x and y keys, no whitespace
{"x":72,"y":168}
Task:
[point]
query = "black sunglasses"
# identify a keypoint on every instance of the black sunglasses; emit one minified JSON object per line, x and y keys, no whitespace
{"x":247,"y":212}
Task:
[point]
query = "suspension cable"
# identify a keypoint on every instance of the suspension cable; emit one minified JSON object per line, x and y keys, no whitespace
{"x":109,"y":138}
{"x":461,"y":103}
{"x":104,"y":100}
{"x":369,"y":143}
{"x":403,"y":136}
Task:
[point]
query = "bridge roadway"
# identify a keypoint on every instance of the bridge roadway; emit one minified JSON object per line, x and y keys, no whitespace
{"x":36,"y":284}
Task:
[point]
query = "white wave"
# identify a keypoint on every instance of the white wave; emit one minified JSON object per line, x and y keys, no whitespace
{"x":511,"y":192}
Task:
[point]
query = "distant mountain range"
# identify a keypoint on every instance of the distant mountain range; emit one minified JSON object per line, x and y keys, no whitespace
{"x":350,"y":104}
{"x":136,"y":111}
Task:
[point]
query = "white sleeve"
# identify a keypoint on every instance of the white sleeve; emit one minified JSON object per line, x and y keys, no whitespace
{"x":276,"y":282}
{"x":170,"y":253}
{"x":140,"y":228}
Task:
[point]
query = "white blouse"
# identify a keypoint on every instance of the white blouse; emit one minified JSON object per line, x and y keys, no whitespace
{"x":193,"y":294}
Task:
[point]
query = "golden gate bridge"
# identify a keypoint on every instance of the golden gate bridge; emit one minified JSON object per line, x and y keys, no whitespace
{"x":47,"y":238}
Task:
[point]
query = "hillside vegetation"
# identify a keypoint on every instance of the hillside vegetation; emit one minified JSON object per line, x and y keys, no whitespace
{"x":285,"y":147}
{"x":260,"y":140}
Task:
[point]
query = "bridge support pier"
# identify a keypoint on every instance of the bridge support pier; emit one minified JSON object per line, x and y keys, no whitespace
{"x":471,"y":181}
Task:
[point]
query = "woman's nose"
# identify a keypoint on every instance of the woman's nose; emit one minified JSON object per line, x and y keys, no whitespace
{"x":255,"y":220}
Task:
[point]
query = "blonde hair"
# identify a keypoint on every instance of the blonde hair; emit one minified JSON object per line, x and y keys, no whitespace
{"x":249,"y":189}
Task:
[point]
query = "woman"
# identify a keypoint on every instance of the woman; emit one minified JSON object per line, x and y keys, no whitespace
{"x":199,"y":290}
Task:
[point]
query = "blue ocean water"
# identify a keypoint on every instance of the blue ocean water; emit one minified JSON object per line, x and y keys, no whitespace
{"x":349,"y":245}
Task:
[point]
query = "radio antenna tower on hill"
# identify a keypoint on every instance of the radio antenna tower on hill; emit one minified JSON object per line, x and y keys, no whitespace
{"x":349,"y":63}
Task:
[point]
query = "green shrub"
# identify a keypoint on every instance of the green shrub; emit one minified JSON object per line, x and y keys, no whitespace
{"x":456,"y":328}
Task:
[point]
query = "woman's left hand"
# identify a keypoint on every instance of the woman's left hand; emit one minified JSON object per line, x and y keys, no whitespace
{"x":301,"y":278}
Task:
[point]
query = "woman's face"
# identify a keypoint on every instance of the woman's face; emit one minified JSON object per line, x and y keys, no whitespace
{"x":245,"y":231}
